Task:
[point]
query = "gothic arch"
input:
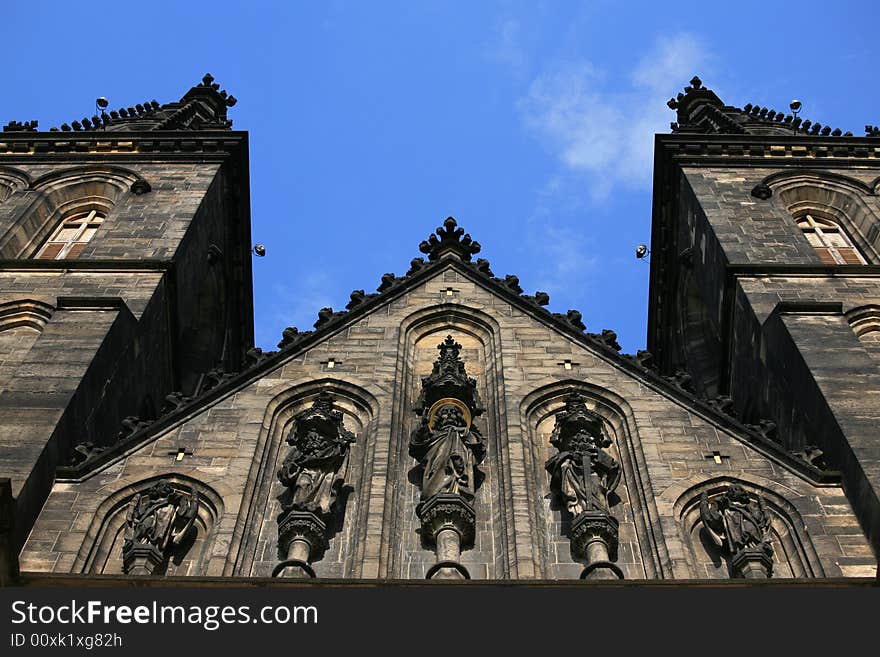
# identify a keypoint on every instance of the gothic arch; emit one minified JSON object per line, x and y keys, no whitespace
{"x":404,"y":554}
{"x":835,"y":197}
{"x":101,"y":551}
{"x":11,"y":181}
{"x":256,"y":528}
{"x":59,"y":194}
{"x":865,"y":321}
{"x":25,"y":312}
{"x":646,"y":557}
{"x":21,"y":322}
{"x":794,"y":554}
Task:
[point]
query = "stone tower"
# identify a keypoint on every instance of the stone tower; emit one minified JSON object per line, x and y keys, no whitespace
{"x":446,"y":425}
{"x":765,"y":280}
{"x":125,"y":277}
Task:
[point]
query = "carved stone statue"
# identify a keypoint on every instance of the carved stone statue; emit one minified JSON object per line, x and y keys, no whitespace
{"x":583,"y":475}
{"x":448,"y":448}
{"x":448,"y":451}
{"x":158,"y":519}
{"x":740,"y":524}
{"x":581,"y":472}
{"x":314,"y":472}
{"x":316,"y":466}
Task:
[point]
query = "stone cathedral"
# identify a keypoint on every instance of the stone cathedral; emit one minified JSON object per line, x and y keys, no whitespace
{"x":445,"y":424}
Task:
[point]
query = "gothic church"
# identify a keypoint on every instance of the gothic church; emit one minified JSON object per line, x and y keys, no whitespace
{"x":445,"y":425}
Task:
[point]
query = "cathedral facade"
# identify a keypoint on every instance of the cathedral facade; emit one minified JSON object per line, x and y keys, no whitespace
{"x":445,"y":425}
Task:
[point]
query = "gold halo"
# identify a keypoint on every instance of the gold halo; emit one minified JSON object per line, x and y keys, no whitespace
{"x":448,"y":401}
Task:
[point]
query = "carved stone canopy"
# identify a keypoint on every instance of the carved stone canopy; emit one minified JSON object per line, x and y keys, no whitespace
{"x":577,"y":428}
{"x":323,"y":417}
{"x":449,"y":380}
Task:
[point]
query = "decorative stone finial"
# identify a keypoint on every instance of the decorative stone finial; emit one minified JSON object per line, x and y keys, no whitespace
{"x":452,"y":240}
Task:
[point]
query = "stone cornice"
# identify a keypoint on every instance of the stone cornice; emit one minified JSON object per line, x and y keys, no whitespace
{"x":769,"y":150}
{"x":24,"y":147}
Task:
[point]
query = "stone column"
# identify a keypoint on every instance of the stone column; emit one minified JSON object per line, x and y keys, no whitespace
{"x":301,"y":538}
{"x":593,"y":538}
{"x":448,"y":523}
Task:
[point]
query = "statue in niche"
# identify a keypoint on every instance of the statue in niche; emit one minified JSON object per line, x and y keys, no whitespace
{"x":316,"y":466}
{"x":448,"y":448}
{"x":581,"y":472}
{"x":158,"y":519}
{"x":737,"y":521}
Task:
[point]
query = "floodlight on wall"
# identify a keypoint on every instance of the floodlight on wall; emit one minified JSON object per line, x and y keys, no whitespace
{"x":795,"y":107}
{"x":101,"y":104}
{"x":259,"y":250}
{"x":642,"y":251}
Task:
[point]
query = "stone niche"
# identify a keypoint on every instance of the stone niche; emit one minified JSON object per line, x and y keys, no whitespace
{"x":410,"y":556}
{"x":341,"y":558}
{"x":554,"y":520}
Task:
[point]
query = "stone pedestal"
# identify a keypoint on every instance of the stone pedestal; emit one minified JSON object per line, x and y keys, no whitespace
{"x":593,"y":538}
{"x":448,"y":524}
{"x":141,"y":559}
{"x":753,"y":563}
{"x":302,"y":537}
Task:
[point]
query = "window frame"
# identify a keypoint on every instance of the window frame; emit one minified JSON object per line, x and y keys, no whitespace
{"x":82,"y":222}
{"x":829,"y":252}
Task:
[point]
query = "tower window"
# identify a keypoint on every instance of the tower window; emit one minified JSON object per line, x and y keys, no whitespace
{"x":71,"y":237}
{"x":829,"y":240}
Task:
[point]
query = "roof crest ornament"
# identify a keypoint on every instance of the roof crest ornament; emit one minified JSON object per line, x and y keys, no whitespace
{"x":452,"y":240}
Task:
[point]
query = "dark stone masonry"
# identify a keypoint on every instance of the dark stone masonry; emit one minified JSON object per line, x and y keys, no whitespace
{"x":445,"y":425}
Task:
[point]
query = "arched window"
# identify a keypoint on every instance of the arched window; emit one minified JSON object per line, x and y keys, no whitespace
{"x":829,"y":240}
{"x":71,"y":236}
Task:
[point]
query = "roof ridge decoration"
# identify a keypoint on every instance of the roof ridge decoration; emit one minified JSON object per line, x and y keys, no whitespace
{"x":452,"y":240}
{"x":203,"y":107}
{"x":701,"y":111}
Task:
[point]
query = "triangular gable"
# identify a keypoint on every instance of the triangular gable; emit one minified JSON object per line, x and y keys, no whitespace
{"x":452,"y":248}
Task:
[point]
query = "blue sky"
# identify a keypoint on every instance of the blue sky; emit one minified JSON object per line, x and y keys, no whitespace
{"x":370,"y":122}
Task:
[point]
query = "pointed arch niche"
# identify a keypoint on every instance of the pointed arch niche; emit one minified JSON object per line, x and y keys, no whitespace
{"x":793,"y":553}
{"x":405,"y":555}
{"x":21,"y":322}
{"x":104,"y":554}
{"x":11,"y":181}
{"x":52,"y":198}
{"x":639,"y":554}
{"x":257,"y":526}
{"x":833,"y":198}
{"x":865,"y":321}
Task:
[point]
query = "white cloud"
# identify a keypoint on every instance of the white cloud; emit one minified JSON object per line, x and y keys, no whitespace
{"x":505,"y":45}
{"x":604,"y":127}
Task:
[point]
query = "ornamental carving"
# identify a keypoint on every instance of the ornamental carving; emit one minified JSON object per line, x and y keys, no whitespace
{"x":314,"y":473}
{"x":314,"y":470}
{"x":583,"y":475}
{"x":159,"y":519}
{"x":448,"y":447}
{"x":739,"y":523}
{"x":581,"y":472}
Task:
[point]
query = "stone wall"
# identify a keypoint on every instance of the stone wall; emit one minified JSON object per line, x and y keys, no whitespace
{"x":668,"y":450}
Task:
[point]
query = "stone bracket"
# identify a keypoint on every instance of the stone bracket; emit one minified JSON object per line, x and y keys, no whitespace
{"x":447,"y":511}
